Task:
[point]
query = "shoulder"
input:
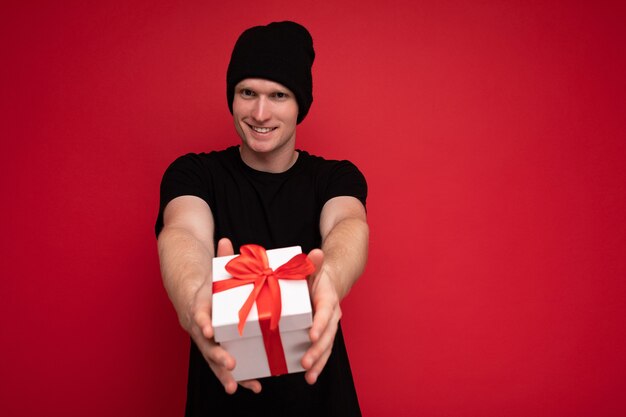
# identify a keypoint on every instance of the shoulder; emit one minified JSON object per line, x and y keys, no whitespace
{"x":200,"y":163}
{"x":335,"y":178}
{"x":202,"y":159}
{"x":322,"y":164}
{"x":193,"y":174}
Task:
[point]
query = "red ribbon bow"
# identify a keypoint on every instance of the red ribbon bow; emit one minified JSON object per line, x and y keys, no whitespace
{"x":252,"y":266}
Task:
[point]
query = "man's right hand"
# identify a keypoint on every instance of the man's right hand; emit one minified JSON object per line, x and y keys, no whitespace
{"x":201,"y":331}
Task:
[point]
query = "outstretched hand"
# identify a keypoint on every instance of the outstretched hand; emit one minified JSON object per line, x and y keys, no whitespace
{"x":201,"y":331}
{"x":326,"y":315}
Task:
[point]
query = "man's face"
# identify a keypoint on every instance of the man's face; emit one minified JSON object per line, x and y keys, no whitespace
{"x":265,"y":115}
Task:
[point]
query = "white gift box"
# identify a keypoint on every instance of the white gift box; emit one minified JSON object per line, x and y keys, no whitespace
{"x":249,"y":349}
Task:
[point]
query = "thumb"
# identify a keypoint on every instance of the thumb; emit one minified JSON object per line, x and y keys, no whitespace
{"x":317,"y":257}
{"x":225,"y":247}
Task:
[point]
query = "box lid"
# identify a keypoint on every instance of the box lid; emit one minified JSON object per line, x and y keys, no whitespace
{"x":296,"y":303}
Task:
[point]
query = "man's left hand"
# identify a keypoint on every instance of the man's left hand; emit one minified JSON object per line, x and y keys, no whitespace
{"x":326,"y":315}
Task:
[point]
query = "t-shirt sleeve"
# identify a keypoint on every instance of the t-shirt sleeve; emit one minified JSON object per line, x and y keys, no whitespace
{"x":344,"y":179}
{"x":187,"y":175}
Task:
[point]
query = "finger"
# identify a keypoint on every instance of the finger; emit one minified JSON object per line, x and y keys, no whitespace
{"x":202,"y":319}
{"x":323,"y":344}
{"x":212,"y":352}
{"x":225,"y":377}
{"x":201,"y":311}
{"x":221,"y":363}
{"x":225,"y":247}
{"x":219,"y":356}
{"x":318,"y":354}
{"x":324,"y":311}
{"x":251,"y":384}
{"x":317,"y":257}
{"x":312,"y":374}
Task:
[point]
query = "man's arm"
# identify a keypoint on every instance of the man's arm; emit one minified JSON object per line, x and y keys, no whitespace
{"x":186,"y":251}
{"x":340,"y":262}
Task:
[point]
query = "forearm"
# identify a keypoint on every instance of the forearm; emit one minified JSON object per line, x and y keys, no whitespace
{"x":345,"y":253}
{"x":185,"y":267}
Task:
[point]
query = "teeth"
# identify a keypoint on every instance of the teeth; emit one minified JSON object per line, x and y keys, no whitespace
{"x":261,"y":129}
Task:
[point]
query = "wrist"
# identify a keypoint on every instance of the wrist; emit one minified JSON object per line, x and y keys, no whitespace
{"x":333,"y":276}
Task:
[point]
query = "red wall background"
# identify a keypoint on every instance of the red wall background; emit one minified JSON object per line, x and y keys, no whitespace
{"x":492,"y":135}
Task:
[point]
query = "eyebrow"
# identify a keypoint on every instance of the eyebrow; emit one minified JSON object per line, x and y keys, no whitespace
{"x":243,"y":86}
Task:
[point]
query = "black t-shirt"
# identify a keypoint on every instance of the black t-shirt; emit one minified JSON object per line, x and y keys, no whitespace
{"x":272,"y":210}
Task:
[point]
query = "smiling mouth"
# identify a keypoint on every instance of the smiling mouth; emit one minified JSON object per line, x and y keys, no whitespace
{"x":261,"y":129}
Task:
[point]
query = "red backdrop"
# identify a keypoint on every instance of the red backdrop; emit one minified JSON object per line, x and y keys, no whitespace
{"x":492,"y":135}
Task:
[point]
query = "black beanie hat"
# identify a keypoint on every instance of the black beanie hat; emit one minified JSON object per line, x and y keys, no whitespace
{"x":281,"y":52}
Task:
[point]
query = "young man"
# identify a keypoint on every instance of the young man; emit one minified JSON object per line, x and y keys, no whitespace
{"x":266,"y":192}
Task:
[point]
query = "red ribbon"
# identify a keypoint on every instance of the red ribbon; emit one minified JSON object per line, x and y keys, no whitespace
{"x":252,"y":266}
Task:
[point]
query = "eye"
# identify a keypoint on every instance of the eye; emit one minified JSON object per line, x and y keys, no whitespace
{"x":246,"y":92}
{"x":280,"y":95}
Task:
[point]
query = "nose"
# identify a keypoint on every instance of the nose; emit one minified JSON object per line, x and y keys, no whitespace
{"x":261,"y":111}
